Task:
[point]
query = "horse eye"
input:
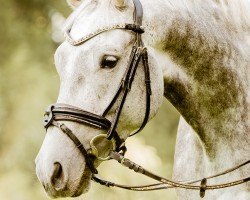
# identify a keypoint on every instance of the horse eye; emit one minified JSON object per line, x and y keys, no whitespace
{"x":109,"y":62}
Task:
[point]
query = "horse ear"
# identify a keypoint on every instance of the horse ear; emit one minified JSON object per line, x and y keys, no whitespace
{"x":120,"y":3}
{"x":74,"y":3}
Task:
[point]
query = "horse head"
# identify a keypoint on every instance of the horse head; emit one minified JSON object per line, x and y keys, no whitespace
{"x":91,"y":72}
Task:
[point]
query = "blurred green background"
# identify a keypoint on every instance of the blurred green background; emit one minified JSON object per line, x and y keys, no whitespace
{"x":30,"y":33}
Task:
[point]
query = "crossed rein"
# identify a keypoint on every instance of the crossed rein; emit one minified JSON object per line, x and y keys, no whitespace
{"x":63,"y":112}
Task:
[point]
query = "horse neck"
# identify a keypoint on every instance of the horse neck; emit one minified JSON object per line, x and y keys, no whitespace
{"x":206,"y":71}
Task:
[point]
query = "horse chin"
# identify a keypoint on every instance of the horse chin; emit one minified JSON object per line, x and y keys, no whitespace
{"x":84,"y":184}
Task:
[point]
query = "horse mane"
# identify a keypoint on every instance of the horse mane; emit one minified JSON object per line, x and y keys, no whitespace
{"x":235,"y":14}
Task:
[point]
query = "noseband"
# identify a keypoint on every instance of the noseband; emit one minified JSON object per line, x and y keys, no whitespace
{"x":62,"y":112}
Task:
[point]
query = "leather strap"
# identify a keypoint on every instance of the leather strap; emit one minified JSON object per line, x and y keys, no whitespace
{"x":138,"y":12}
{"x":202,"y":188}
{"x":161,"y":186}
{"x":78,"y":144}
{"x":148,"y":92}
{"x":138,"y":52}
{"x":65,"y":112}
{"x":70,"y":113}
{"x":127,"y":83}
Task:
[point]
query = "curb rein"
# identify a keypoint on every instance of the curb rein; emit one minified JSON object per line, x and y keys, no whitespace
{"x":64,"y":112}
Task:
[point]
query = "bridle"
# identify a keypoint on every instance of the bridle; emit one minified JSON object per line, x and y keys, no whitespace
{"x":63,"y":112}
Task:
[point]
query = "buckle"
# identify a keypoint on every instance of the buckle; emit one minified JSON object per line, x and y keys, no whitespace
{"x":48,"y":117}
{"x":135,"y":28}
{"x":93,"y":149}
{"x":203,"y":187}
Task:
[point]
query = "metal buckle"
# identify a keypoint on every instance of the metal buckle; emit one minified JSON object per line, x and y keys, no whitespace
{"x":123,"y":161}
{"x":48,"y":117}
{"x":134,"y":27}
{"x":94,"y":150}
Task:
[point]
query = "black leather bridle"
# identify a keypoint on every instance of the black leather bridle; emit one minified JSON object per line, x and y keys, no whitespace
{"x":62,"y":112}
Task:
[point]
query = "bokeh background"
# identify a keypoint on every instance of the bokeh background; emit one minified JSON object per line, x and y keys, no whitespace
{"x":30,"y":31}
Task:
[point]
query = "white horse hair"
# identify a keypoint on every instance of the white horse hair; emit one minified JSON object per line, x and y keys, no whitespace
{"x":199,"y":60}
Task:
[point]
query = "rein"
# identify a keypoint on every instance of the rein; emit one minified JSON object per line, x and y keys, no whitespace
{"x":62,"y":112}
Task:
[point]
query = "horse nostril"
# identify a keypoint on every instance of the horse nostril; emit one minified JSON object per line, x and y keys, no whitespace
{"x":57,"y":178}
{"x":57,"y":171}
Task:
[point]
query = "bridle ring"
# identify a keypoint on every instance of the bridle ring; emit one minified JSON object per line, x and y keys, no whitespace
{"x":94,"y":150}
